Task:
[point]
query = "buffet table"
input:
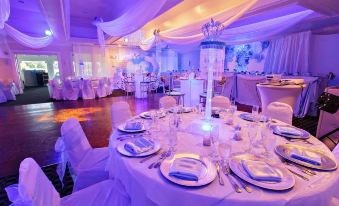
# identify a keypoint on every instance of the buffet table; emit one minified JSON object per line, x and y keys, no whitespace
{"x":149,"y":187}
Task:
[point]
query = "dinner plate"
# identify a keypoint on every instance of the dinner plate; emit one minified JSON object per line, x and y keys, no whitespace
{"x":327,"y":163}
{"x":287,"y":182}
{"x":248,"y":117}
{"x":305,"y":134}
{"x":146,"y":115}
{"x":207,"y":175}
{"x":122,"y":128}
{"x":121,"y":149}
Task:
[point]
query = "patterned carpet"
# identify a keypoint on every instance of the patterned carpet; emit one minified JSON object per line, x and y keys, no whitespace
{"x":308,"y":123}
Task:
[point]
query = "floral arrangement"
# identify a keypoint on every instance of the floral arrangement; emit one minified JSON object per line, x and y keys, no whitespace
{"x":243,"y":54}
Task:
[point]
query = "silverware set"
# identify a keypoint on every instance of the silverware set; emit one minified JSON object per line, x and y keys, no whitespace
{"x":162,"y":157}
{"x":233,"y":179}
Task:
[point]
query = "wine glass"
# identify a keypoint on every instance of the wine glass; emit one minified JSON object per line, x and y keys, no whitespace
{"x":225,"y":150}
{"x":252,"y":134}
{"x":268,"y":140}
{"x":173,"y":126}
{"x":255,"y":113}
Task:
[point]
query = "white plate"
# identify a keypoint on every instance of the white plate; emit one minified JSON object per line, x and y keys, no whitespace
{"x":327,"y":163}
{"x":121,"y":150}
{"x":146,"y":115}
{"x":287,"y":182}
{"x":122,"y":128}
{"x":184,"y":110}
{"x":304,"y":134}
{"x":208,"y":172}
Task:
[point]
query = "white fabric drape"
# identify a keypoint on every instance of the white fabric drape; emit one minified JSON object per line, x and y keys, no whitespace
{"x":4,"y":12}
{"x":89,"y":61}
{"x":133,"y":19}
{"x":288,"y":54}
{"x":262,"y":30}
{"x":32,"y":42}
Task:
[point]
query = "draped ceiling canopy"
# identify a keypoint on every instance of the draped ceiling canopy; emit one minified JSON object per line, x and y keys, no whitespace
{"x":173,"y":22}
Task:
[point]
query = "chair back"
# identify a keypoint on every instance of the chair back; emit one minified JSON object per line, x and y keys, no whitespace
{"x":167,"y":102}
{"x":221,"y":101}
{"x":75,"y":141}
{"x":280,"y":111}
{"x":120,"y":113}
{"x":34,"y":188}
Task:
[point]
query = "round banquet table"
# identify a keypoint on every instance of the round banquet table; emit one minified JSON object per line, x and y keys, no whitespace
{"x":148,"y":186}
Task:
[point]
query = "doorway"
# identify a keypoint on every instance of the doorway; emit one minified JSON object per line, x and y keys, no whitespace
{"x":36,"y":70}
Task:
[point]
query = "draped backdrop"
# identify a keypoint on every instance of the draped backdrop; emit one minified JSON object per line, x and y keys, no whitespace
{"x":26,"y":40}
{"x":289,"y":54}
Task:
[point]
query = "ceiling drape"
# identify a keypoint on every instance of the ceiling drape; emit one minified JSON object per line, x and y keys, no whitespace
{"x":133,"y":19}
{"x":262,"y":30}
{"x":24,"y":39}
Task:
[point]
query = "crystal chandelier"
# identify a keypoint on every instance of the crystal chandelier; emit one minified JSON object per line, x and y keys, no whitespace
{"x":212,"y":29}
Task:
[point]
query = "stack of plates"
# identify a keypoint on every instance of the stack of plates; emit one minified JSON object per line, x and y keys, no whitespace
{"x":295,"y":134}
{"x":207,"y":174}
{"x":327,"y":163}
{"x":287,"y":179}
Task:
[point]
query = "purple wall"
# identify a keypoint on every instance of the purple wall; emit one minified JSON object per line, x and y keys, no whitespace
{"x":324,"y":55}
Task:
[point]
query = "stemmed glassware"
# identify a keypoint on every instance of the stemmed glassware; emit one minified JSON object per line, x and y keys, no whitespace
{"x":252,"y":134}
{"x":173,"y":126}
{"x":268,"y":140}
{"x":255,"y":113}
{"x":214,"y":137}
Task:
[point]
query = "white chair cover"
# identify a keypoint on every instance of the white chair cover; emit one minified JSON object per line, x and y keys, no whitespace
{"x":108,"y":85}
{"x":287,"y":94}
{"x":69,"y":92}
{"x":221,"y":101}
{"x":87,"y":91}
{"x":87,"y":165}
{"x":101,"y":90}
{"x":56,"y":90}
{"x":9,"y":93}
{"x":34,"y":189}
{"x":14,"y":88}
{"x":120,"y":112}
{"x":247,"y":89}
{"x":167,"y":102}
{"x":280,"y":111}
{"x":2,"y":96}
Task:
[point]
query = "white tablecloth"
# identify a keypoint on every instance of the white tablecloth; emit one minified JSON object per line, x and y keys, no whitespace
{"x":148,"y":186}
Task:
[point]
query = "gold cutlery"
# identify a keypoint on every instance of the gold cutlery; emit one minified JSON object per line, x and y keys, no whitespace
{"x":298,"y":175}
{"x":151,"y":156}
{"x":221,"y":181}
{"x":227,"y":173}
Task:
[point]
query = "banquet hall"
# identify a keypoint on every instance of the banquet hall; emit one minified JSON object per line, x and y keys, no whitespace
{"x":169,"y":102}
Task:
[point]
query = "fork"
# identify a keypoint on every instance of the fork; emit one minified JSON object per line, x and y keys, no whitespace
{"x":226,"y":170}
{"x":301,"y":168}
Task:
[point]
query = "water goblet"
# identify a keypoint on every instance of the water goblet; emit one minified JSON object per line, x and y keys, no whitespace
{"x":268,"y":140}
{"x":255,"y":113}
{"x":252,"y":134}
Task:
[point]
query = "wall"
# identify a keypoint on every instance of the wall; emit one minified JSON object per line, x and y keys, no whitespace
{"x":62,"y":50}
{"x":324,"y":55}
{"x":189,"y":60}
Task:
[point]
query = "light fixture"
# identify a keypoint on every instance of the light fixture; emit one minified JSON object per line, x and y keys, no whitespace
{"x":125,"y":40}
{"x":48,"y":32}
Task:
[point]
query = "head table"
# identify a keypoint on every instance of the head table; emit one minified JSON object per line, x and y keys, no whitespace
{"x":149,"y":187}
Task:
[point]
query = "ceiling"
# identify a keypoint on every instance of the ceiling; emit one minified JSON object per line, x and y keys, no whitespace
{"x":75,"y":17}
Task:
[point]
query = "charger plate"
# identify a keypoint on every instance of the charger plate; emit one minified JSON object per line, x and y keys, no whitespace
{"x":327,"y":163}
{"x":305,"y":134}
{"x":287,"y":182}
{"x":207,"y":175}
{"x":146,"y":115}
{"x":122,"y":128}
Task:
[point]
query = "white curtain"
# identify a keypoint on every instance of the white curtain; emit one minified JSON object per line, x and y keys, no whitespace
{"x":288,"y":54}
{"x":133,"y":19}
{"x":32,"y":42}
{"x":89,"y":61}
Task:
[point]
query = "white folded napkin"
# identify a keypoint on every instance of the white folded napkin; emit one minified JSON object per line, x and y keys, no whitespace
{"x":306,"y":156}
{"x":133,"y":125}
{"x":186,"y":169}
{"x":288,"y":131}
{"x":261,"y":171}
{"x":138,"y":146}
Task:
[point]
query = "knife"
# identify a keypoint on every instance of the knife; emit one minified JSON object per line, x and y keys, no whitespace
{"x":221,"y":181}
